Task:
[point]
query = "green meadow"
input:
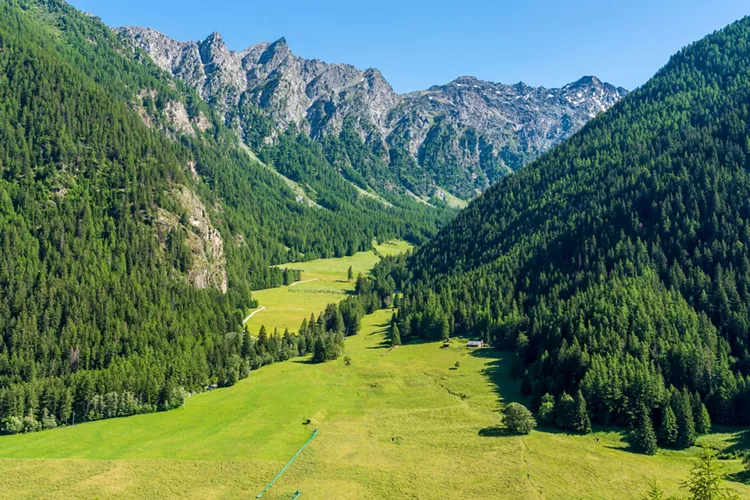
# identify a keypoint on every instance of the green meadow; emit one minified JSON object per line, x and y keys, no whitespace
{"x":393,"y":423}
{"x":323,"y":281}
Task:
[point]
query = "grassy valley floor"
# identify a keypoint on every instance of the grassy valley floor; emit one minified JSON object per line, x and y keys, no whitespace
{"x":400,"y":423}
{"x":323,"y":281}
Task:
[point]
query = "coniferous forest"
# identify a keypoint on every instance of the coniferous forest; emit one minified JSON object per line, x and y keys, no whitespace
{"x":617,"y":266}
{"x":97,"y":299}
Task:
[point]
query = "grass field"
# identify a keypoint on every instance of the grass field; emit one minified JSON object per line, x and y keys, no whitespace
{"x":401,"y":423}
{"x":454,"y":201}
{"x":323,"y":281}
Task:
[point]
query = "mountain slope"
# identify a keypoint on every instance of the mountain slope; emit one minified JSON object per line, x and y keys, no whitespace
{"x":462,"y":136}
{"x":619,"y":262}
{"x":134,"y":224}
{"x":95,"y":295}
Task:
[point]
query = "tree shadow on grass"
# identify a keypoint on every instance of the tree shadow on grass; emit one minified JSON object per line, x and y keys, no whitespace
{"x":497,"y":371}
{"x":739,"y":444}
{"x":307,"y":360}
{"x":494,"y":431}
{"x":383,"y":344}
{"x":381,"y":330}
{"x":386,"y":344}
{"x":497,"y":431}
{"x":740,"y":477}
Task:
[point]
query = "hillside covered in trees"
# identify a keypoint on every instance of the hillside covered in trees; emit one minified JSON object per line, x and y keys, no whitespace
{"x":619,"y":263}
{"x":134,"y":225}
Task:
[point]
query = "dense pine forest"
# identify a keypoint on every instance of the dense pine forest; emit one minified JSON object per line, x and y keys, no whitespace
{"x":616,"y":267}
{"x":132,"y":235}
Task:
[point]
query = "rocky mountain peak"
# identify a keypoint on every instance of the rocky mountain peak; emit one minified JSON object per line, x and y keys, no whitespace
{"x":589,"y":80}
{"x":214,"y":51}
{"x":487,"y":129}
{"x":275,"y":53}
{"x":214,"y":38}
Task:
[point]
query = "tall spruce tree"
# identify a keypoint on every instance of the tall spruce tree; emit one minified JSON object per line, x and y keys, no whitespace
{"x":700,"y":415}
{"x":395,"y":334}
{"x":681,"y":403}
{"x":668,"y":428}
{"x":581,"y":422}
{"x":565,"y":411}
{"x":702,"y":421}
{"x":643,"y":435}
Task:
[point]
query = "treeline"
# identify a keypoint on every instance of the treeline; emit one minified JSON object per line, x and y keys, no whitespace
{"x":617,"y":265}
{"x":289,"y":276}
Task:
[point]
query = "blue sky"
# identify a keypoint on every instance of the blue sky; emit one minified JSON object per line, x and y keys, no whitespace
{"x":417,"y":44}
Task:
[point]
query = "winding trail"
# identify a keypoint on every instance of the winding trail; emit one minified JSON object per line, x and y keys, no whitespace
{"x":306,"y":281}
{"x":261,"y":308}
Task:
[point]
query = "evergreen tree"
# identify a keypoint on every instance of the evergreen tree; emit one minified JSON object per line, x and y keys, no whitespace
{"x":581,"y":422}
{"x":395,"y":335}
{"x":701,"y":417}
{"x":668,"y":428}
{"x":262,"y":335}
{"x":706,"y":481}
{"x":681,"y":403}
{"x":654,"y":491}
{"x":566,"y":408}
{"x":319,"y":351}
{"x":247,"y":344}
{"x":338,"y":321}
{"x":350,"y":274}
{"x":643,"y":436}
{"x":445,"y":331}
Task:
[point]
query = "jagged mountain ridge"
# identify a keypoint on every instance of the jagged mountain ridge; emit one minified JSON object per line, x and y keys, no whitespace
{"x":462,"y":136}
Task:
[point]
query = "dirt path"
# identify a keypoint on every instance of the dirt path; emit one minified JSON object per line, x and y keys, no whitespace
{"x":261,"y":308}
{"x":306,"y":281}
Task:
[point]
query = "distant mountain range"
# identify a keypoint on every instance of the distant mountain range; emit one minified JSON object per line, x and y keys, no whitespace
{"x":460,"y":137}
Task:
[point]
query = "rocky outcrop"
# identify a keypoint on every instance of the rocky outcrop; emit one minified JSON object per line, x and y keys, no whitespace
{"x":177,"y":115}
{"x":208,"y":262}
{"x":468,"y":132}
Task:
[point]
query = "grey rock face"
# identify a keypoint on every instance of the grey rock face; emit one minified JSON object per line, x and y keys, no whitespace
{"x":485,"y":129}
{"x":519,"y":121}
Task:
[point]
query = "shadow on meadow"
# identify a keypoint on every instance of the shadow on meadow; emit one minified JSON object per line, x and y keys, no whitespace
{"x":494,"y":431}
{"x":304,"y":360}
{"x":497,"y":371}
{"x":740,"y":477}
{"x":381,"y":329}
{"x":738,"y":445}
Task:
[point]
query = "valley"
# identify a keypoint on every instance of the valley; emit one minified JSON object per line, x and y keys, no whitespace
{"x":210,"y":258}
{"x":323,"y":281}
{"x":393,"y":423}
